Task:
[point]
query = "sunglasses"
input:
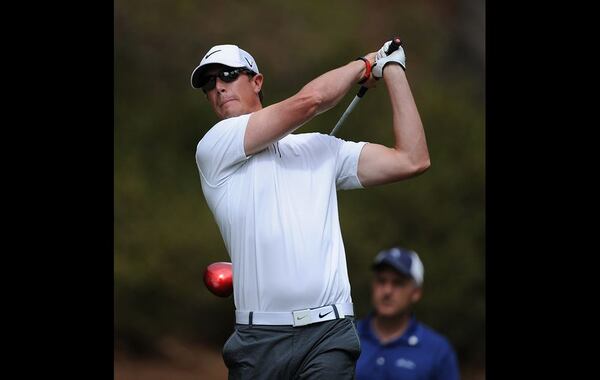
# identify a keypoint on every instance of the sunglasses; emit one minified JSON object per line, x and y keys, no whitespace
{"x":226,"y":75}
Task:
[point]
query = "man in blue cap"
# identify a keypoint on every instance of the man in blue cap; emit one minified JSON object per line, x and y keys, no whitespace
{"x":394,"y":345}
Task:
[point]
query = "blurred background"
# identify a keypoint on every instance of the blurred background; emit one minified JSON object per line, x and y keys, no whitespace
{"x":167,"y":324}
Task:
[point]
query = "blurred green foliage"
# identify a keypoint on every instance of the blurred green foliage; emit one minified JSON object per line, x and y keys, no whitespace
{"x":164,"y":232}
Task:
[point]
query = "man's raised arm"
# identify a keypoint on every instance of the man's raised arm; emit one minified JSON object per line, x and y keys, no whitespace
{"x":278,"y":120}
{"x":409,"y":156}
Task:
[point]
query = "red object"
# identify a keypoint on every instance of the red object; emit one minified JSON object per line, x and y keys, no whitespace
{"x":367,"y":70}
{"x":218,"y":278}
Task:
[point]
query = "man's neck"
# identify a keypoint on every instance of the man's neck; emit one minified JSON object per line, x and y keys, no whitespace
{"x":390,"y":328}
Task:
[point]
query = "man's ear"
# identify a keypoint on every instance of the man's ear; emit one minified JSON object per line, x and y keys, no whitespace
{"x":257,"y":80}
{"x":417,"y":294}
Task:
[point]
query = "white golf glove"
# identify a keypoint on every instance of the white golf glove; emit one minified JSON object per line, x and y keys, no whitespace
{"x":381,"y":53}
{"x":396,"y":57}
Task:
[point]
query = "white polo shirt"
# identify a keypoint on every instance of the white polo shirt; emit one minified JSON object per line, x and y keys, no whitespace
{"x":277,"y":212}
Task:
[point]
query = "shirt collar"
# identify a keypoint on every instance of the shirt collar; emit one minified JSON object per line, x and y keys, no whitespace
{"x":411,"y":337}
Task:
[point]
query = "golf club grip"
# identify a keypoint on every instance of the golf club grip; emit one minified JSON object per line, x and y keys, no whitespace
{"x":396,"y":42}
{"x":362,"y":91}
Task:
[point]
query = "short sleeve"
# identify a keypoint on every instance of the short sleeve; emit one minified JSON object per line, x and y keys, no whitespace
{"x":221,"y":151}
{"x":348,"y":153}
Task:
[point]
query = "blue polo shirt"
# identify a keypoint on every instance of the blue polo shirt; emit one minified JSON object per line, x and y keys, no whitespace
{"x":419,"y":354}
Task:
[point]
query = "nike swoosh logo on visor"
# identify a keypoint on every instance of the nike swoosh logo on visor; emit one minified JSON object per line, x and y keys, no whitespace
{"x":321,"y":316}
{"x":208,"y":55}
{"x":248,"y":61}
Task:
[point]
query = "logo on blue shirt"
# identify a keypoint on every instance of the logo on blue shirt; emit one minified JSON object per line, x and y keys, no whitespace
{"x":404,"y":363}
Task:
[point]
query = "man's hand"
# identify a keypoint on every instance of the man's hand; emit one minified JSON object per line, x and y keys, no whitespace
{"x":381,"y":53}
{"x":396,"y":57}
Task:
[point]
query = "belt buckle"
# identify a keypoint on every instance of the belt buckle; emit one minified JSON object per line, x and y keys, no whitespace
{"x":301,"y":317}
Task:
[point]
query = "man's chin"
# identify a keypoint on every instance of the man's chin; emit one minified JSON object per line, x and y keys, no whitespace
{"x":230,"y":111}
{"x":387,"y":312}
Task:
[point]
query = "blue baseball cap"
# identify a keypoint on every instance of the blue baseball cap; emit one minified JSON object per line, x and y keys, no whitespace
{"x":402,"y":260}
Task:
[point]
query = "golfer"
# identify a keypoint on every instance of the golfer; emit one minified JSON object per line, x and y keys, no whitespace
{"x":273,"y":195}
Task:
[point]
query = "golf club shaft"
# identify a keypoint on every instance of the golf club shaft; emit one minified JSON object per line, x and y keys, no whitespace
{"x":362,"y":91}
{"x":353,"y":104}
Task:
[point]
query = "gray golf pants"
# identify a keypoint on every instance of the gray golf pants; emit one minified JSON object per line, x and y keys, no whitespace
{"x":326,"y":350}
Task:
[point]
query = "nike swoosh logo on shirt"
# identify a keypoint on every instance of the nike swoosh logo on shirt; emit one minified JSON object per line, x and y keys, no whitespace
{"x":208,"y":55}
{"x":321,"y":316}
